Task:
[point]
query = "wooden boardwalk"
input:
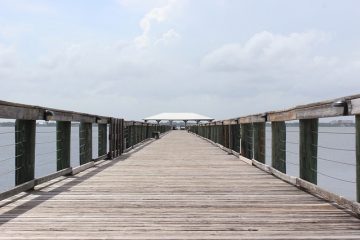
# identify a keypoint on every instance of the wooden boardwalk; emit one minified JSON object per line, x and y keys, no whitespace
{"x":178,"y":187}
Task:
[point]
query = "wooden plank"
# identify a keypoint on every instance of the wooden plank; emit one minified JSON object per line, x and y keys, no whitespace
{"x":20,"y":112}
{"x":320,"y":111}
{"x":82,"y":167}
{"x":230,"y":122}
{"x":354,"y":106}
{"x":280,"y":116}
{"x":326,"y":195}
{"x":308,"y":149}
{"x":52,"y":176}
{"x":18,"y":189}
{"x":278,"y":143}
{"x":28,"y":112}
{"x":25,"y":131}
{"x":63,"y":144}
{"x":258,"y":118}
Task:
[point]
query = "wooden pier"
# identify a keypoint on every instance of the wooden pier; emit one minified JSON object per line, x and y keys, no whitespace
{"x":178,"y":187}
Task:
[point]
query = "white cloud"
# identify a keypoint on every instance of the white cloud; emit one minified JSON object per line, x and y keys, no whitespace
{"x":290,"y":64}
{"x":265,"y":50}
{"x":158,"y":15}
{"x":168,"y":37}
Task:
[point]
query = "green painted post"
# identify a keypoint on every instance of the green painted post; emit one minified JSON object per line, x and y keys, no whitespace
{"x":130,"y":130}
{"x":357,"y":119}
{"x":259,"y":142}
{"x":237,"y":137}
{"x":278,"y":141}
{"x":85,"y":138}
{"x":63,"y":144}
{"x":218,"y":134}
{"x":308,"y":149}
{"x":247,"y":140}
{"x":25,"y":132}
{"x":102,"y":139}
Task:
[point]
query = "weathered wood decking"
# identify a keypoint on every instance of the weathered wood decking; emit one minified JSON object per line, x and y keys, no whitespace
{"x":179,"y":187}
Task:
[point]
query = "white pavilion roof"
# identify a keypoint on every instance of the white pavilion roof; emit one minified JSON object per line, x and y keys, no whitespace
{"x":179,"y":117}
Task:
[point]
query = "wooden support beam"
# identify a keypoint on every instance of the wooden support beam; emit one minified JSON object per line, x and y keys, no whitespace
{"x":25,"y":132}
{"x":308,"y":149}
{"x":278,"y":146}
{"x":259,"y":142}
{"x":102,"y":139}
{"x":357,"y":119}
{"x":85,"y":142}
{"x":63,"y":144}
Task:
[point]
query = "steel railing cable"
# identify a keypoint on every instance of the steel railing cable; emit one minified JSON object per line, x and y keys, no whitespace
{"x":48,"y":142}
{"x":289,"y":131}
{"x":10,"y":145}
{"x":333,"y":148}
{"x":9,"y":158}
{"x":292,"y":163}
{"x":287,"y":151}
{"x":3,"y":133}
{"x":46,"y":132}
{"x":11,"y":171}
{"x":46,"y":153}
{"x":330,"y":160}
{"x":336,"y":133}
{"x":289,"y":142}
{"x":336,"y":178}
{"x":41,"y":164}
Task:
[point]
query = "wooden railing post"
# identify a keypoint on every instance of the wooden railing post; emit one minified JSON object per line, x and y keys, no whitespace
{"x":111,"y":139}
{"x":102,"y":139}
{"x":247,"y":140}
{"x":230,"y":137}
{"x":259,"y":142}
{"x":122,"y":137}
{"x":25,"y":131}
{"x":278,"y":141}
{"x":357,"y":120}
{"x":308,"y":149}
{"x":85,"y":138}
{"x":235,"y":137}
{"x":221,"y":134}
{"x":63,"y":144}
{"x":225,"y":135}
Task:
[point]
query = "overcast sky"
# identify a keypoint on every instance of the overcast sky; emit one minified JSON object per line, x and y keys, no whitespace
{"x":136,"y":58}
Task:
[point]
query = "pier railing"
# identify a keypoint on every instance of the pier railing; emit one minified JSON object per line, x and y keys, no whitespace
{"x":246,"y":137}
{"x":115,"y":136}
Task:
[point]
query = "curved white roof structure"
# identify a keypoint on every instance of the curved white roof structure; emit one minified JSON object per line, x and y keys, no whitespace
{"x":178,"y":117}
